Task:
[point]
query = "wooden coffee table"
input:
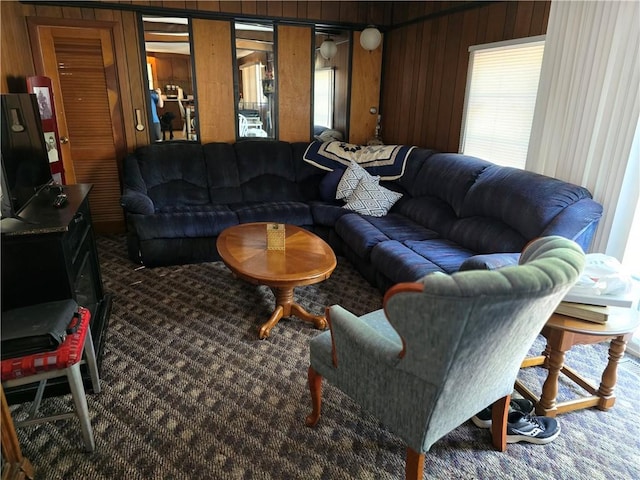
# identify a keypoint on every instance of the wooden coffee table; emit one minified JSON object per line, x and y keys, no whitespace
{"x":306,"y":260}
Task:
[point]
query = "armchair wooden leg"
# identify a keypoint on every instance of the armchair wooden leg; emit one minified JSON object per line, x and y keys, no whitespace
{"x":415,"y":465}
{"x":315,"y":387}
{"x":499,"y":415}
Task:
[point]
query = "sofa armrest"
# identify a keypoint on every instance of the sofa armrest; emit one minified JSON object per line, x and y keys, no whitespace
{"x":137,"y":202}
{"x":577,"y":223}
{"x":490,"y":261}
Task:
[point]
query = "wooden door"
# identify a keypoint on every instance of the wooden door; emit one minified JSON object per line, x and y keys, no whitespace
{"x":81,"y":64}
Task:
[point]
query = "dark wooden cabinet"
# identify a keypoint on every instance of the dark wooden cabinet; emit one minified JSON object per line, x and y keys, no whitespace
{"x":50,"y":254}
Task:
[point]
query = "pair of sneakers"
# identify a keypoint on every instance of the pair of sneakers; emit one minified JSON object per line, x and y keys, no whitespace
{"x":521,"y":425}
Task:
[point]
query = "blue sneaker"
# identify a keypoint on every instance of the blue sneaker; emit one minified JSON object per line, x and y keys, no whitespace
{"x":482,"y":419}
{"x":522,"y":427}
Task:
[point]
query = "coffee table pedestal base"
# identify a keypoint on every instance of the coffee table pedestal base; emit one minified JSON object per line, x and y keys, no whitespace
{"x":286,"y":307}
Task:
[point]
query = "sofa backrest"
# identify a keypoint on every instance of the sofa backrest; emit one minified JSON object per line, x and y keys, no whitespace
{"x":436,"y":185}
{"x":223,"y":176}
{"x":174,"y":173}
{"x":516,"y":202}
{"x":488,"y":208}
{"x":266,"y":171}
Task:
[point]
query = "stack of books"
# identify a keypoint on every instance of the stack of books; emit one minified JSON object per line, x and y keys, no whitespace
{"x":583,"y":311}
{"x":593,"y":308}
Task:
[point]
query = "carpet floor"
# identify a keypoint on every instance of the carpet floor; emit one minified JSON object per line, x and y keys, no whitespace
{"x":190,"y":392}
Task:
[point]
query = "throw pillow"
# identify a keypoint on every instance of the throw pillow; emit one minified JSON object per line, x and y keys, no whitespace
{"x":369,"y":198}
{"x":329,"y":184}
{"x":350,"y":179}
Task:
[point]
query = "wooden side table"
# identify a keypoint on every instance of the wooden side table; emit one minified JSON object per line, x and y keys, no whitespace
{"x":564,"y":332}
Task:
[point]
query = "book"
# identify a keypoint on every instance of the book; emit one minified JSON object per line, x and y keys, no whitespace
{"x":625,"y":300}
{"x":591,"y":313}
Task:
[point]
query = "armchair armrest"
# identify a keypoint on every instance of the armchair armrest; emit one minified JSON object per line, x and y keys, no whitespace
{"x":353,"y":337}
{"x":134,"y":201}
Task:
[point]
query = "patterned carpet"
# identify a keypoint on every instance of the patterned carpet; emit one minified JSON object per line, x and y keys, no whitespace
{"x":189,"y":392}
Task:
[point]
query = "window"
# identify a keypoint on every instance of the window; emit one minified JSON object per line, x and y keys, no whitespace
{"x":502,"y":85}
{"x":323,"y":98}
{"x":255,"y":63}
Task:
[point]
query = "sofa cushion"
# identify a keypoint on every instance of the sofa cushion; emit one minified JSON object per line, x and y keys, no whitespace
{"x":266,"y":171}
{"x":411,"y":260}
{"x":174,"y":173}
{"x":131,"y":176}
{"x":222,"y":173}
{"x":327,"y":213}
{"x":448,"y":176}
{"x":428,"y":211}
{"x":183,"y":222}
{"x":370,"y":198}
{"x":398,"y":227}
{"x":486,"y":235}
{"x":447,"y":255}
{"x":359,"y":234}
{"x":294,"y":213}
{"x":308,"y":177}
{"x":329,"y":185}
{"x":137,"y":202}
{"x":350,"y":179}
{"x":415,"y":162}
{"x":525,"y":201}
{"x":398,"y":263}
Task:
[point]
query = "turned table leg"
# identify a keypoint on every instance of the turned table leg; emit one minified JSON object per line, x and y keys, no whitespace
{"x":547,"y":404}
{"x":610,"y":374}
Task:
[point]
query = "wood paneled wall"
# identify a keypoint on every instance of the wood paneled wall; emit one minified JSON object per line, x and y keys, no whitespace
{"x":212,"y":55}
{"x":17,"y":63}
{"x":360,"y":12}
{"x":294,"y":83}
{"x":425,"y":63}
{"x":425,"y":71}
{"x":365,"y":92}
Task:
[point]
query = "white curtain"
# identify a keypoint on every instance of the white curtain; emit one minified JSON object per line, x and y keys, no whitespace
{"x":588,"y":107}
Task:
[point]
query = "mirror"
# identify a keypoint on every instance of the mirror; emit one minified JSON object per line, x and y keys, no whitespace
{"x":331,"y":84}
{"x":255,"y":68}
{"x":172,"y":109}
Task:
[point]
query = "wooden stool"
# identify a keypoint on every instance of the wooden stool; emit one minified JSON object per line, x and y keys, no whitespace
{"x":65,"y":361}
{"x":562,"y":333}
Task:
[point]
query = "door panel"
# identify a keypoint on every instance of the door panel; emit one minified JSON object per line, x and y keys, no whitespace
{"x":81,"y":65}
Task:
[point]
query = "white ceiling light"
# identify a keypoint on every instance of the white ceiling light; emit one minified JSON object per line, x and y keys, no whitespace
{"x":328,"y":49}
{"x":370,"y":38}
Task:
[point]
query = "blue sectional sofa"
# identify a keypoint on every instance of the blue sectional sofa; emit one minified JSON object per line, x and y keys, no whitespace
{"x":456,"y":212}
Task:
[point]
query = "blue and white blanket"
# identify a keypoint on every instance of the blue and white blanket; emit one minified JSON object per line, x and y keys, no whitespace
{"x":387,"y":161}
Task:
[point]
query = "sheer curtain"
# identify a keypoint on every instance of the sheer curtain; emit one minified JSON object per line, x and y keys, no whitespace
{"x":588,"y":107}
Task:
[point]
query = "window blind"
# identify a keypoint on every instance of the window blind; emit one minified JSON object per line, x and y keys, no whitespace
{"x":500,"y":100}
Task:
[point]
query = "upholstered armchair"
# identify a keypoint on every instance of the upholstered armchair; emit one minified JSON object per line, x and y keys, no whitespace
{"x":444,"y":348}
